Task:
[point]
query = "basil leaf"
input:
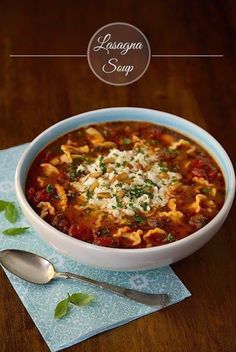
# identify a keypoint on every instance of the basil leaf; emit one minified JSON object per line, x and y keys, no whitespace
{"x":3,"y":205}
{"x":15,"y":231}
{"x":10,"y":213}
{"x":61,"y":309}
{"x":81,"y":299}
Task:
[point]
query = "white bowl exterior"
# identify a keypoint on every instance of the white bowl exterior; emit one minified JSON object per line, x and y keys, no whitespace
{"x":125,"y":259}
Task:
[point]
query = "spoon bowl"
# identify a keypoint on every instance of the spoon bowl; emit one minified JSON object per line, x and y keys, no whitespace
{"x":28,"y":266}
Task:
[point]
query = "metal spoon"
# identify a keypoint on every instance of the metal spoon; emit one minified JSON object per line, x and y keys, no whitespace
{"x":38,"y":270}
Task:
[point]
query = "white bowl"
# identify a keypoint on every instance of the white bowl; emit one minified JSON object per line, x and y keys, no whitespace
{"x":116,"y":258}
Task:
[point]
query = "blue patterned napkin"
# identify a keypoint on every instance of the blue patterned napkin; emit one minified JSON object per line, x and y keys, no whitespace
{"x":106,"y":312}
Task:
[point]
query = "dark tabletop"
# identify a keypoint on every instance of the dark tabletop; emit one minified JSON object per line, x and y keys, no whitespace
{"x":36,"y":93}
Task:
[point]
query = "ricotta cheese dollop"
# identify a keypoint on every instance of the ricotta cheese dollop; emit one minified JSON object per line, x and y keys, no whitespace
{"x":126,"y":181}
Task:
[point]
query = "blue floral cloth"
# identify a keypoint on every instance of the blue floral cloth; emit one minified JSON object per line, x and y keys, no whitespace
{"x":106,"y":312}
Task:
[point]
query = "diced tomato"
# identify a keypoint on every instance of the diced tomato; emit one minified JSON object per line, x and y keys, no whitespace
{"x":197,"y":163}
{"x":42,"y":196}
{"x":81,"y":232}
{"x":105,"y":241}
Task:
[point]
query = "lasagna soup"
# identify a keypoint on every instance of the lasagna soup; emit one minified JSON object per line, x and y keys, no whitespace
{"x":125,"y":185}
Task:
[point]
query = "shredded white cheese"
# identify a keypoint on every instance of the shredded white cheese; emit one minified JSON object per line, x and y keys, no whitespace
{"x":128,"y":181}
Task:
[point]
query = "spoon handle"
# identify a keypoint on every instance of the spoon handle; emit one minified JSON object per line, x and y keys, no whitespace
{"x":154,"y":300}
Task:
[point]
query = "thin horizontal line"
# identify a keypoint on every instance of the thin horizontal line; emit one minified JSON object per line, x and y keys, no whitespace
{"x":23,"y":55}
{"x":182,"y":55}
{"x":204,"y":55}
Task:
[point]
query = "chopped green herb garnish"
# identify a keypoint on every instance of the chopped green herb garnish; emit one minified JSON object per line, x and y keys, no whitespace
{"x":79,"y":172}
{"x":104,"y":231}
{"x":144,"y":206}
{"x":102,"y":165}
{"x":49,"y":188}
{"x":170,"y":237}
{"x":140,"y":150}
{"x":118,"y":164}
{"x":150,"y":182}
{"x":89,"y":195}
{"x":206,"y":190}
{"x":118,"y":202}
{"x":126,"y":141}
{"x":173,"y":151}
{"x":139,"y":219}
{"x":138,"y":191}
{"x":163,"y":168}
{"x":73,"y":176}
{"x":72,"y":169}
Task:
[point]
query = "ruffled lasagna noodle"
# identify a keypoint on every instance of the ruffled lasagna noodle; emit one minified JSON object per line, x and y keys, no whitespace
{"x":125,"y":185}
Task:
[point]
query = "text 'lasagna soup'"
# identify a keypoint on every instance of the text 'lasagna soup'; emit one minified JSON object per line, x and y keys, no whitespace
{"x":125,"y":185}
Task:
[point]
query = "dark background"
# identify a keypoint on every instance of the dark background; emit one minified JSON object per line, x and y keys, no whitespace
{"x":35,"y":93}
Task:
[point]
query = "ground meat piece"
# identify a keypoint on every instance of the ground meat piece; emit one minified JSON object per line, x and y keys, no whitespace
{"x":155,"y":222}
{"x":61,"y":222}
{"x":30,"y":193}
{"x":198,"y":221}
{"x":164,"y":154}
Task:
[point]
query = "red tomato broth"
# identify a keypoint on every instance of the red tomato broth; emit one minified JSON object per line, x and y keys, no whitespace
{"x":80,"y":220}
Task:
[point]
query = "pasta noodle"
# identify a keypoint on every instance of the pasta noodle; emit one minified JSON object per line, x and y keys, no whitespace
{"x":183,"y":142}
{"x":63,"y":200}
{"x":49,"y":170}
{"x":148,"y":237}
{"x":72,"y":152}
{"x":133,"y":236}
{"x":173,"y":214}
{"x":46,"y":208}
